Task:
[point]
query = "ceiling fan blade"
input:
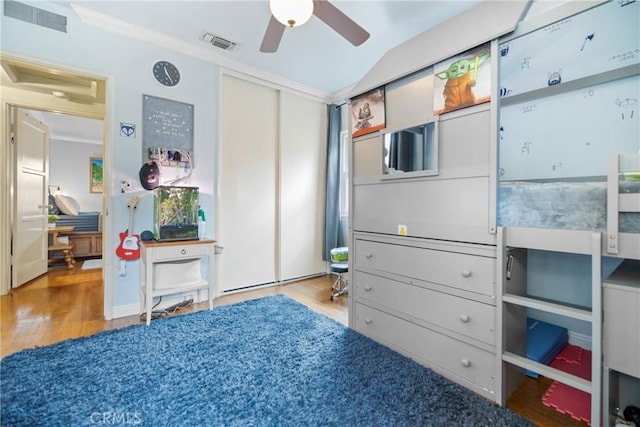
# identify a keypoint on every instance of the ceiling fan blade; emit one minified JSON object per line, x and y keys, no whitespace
{"x":341,"y":23}
{"x":272,"y":36}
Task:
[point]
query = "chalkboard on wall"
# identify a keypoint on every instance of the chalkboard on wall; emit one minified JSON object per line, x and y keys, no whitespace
{"x":571,"y":134}
{"x":570,"y":94}
{"x":601,"y":39}
{"x":166,"y":124}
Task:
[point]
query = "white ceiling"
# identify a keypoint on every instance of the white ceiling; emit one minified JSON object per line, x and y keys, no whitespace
{"x":313,"y":54}
{"x":66,"y":128}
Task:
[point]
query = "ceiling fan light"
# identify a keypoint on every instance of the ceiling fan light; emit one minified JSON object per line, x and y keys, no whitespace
{"x":291,"y":13}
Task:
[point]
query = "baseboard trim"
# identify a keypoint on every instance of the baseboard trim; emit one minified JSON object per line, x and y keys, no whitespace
{"x":581,"y":340}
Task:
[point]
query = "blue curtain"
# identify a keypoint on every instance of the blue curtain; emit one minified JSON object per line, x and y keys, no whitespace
{"x":332,"y":194}
{"x":405,"y":153}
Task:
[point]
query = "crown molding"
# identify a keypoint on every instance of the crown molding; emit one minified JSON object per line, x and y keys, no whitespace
{"x":118,"y":26}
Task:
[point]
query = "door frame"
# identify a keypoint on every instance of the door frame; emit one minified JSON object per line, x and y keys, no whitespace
{"x":26,"y":97}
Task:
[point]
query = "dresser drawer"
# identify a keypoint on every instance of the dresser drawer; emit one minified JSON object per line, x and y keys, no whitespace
{"x":461,"y":315}
{"x":463,"y":271}
{"x":184,"y":251}
{"x":464,"y":361}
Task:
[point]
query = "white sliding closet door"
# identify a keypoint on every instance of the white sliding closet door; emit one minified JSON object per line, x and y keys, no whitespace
{"x":272,"y":178}
{"x":302,"y":185}
{"x":247,"y":186}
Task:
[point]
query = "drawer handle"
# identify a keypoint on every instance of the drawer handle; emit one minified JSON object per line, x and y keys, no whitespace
{"x":464,"y":318}
{"x":367,"y":288}
{"x":367,"y":321}
{"x":465,"y":273}
{"x":465,"y":362}
{"x":184,"y":251}
{"x":368,"y":255}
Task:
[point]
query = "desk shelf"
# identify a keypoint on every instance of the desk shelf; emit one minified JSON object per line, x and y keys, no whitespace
{"x":170,"y":291}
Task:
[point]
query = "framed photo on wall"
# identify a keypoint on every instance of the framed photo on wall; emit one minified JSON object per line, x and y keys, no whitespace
{"x":463,"y":80}
{"x":368,"y":113}
{"x":95,"y":175}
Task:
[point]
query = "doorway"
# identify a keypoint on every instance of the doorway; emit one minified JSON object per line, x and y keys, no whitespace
{"x":75,"y":151}
{"x":65,"y":92}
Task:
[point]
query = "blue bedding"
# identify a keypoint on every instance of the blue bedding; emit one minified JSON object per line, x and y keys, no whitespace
{"x":84,"y":221}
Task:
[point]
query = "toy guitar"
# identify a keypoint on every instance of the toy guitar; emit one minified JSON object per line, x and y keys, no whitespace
{"x":128,"y":249}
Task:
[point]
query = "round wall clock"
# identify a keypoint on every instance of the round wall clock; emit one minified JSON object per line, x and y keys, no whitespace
{"x":166,"y":73}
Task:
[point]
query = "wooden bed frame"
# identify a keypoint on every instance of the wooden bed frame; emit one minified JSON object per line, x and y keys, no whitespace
{"x":85,"y":244}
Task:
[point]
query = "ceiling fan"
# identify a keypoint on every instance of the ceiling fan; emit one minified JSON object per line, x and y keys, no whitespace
{"x":293,"y":13}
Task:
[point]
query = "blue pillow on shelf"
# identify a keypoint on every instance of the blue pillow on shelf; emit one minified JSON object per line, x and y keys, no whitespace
{"x":544,"y":342}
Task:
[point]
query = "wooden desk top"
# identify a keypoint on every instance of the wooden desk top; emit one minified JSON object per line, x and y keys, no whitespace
{"x":153,"y":243}
{"x":54,"y":244}
{"x":61,"y":229}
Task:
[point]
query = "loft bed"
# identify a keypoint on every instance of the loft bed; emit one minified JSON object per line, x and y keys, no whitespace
{"x":610,"y":205}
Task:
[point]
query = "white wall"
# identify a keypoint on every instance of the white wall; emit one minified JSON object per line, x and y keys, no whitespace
{"x":126,"y":63}
{"x":69,"y":169}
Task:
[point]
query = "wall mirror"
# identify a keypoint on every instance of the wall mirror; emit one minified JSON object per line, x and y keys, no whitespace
{"x":411,"y":152}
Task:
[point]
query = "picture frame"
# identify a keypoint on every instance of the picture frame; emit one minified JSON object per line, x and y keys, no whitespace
{"x":463,"y":80}
{"x":95,"y":175}
{"x":368,"y":112}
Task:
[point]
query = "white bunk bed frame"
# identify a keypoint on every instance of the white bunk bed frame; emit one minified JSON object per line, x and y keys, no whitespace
{"x":623,"y":245}
{"x":512,"y":293}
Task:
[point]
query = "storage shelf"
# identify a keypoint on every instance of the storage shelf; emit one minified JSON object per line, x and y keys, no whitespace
{"x":59,"y":247}
{"x":187,"y":288}
{"x":549,"y":239}
{"x":514,"y":244}
{"x":580,"y":83}
{"x":549,"y":307}
{"x":547,"y":371}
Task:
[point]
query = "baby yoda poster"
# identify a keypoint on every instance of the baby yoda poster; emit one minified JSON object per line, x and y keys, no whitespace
{"x":463,"y":80}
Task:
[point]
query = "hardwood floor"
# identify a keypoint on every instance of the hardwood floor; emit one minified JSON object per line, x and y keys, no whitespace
{"x":66,"y":304}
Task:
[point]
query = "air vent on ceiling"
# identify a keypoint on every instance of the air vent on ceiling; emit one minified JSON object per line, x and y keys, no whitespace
{"x":218,"y":41}
{"x":33,"y":15}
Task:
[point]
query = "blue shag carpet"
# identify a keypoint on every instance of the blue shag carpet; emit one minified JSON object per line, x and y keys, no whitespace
{"x":265,"y":362}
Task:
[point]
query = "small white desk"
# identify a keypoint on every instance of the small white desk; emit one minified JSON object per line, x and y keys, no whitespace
{"x":154,"y":253}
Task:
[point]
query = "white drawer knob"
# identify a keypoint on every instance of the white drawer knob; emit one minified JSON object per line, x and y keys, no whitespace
{"x":367,"y":321}
{"x":367,"y":288}
{"x":464,"y":318}
{"x":465,"y":362}
{"x":465,"y":273}
{"x":184,"y":251}
{"x":368,"y":255}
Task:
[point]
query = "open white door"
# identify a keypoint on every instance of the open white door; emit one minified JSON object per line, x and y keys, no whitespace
{"x":30,"y":207}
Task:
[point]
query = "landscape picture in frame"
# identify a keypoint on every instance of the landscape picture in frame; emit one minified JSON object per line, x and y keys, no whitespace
{"x":367,"y":113}
{"x":463,"y":80}
{"x":95,"y":175}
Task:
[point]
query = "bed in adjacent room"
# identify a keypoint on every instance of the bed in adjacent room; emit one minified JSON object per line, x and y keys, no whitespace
{"x":87,"y":232}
